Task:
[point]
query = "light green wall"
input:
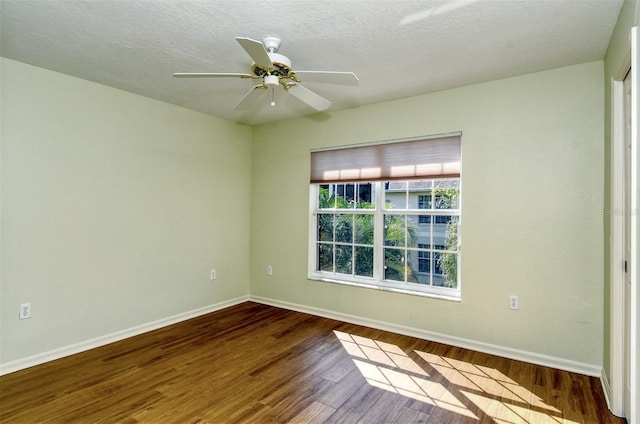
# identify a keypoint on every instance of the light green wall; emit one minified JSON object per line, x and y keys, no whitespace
{"x":615,"y":61}
{"x":115,"y":206}
{"x":532,"y":150}
{"x":114,"y":209}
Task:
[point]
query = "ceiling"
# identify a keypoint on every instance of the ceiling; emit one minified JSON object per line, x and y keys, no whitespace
{"x":397,"y":48}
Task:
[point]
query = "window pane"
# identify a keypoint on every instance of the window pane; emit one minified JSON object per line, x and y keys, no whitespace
{"x":451,"y":234}
{"x":394,"y":264}
{"x":415,"y":234}
{"x":449,"y":268}
{"x":325,"y":226}
{"x":363,"y":227}
{"x":437,"y":263}
{"x":325,"y":257}
{"x":446,"y":194}
{"x":366,"y":198}
{"x":394,"y":230}
{"x":395,"y":194}
{"x":345,"y":196}
{"x":438,"y":279}
{"x":445,"y":230}
{"x":424,"y":201}
{"x":344,"y":258}
{"x":424,"y":262}
{"x":413,"y":264}
{"x":420,"y":185}
{"x":326,"y":200}
{"x":344,"y":228}
{"x":364,"y":261}
{"x":445,"y":233}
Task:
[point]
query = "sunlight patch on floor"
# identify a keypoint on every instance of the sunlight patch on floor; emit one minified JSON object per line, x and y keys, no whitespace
{"x":509,"y":413}
{"x":388,"y":367}
{"x":379,"y":352}
{"x":486,"y":380}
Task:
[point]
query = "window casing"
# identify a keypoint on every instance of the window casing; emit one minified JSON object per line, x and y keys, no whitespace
{"x":378,"y":239}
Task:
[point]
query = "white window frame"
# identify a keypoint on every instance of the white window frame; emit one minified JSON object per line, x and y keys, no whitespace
{"x":378,"y":281}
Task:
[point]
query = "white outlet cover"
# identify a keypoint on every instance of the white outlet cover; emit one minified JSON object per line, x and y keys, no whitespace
{"x":25,"y":310}
{"x":513,"y":302}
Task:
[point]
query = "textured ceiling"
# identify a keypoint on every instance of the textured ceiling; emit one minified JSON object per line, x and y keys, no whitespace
{"x":397,"y":48}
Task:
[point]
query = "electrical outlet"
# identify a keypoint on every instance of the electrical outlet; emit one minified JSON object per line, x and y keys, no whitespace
{"x":25,"y":310}
{"x":514,"y":303}
{"x":269,"y":270}
{"x":213,"y":274}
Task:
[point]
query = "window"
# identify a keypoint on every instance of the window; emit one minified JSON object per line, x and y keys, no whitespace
{"x":386,"y":232}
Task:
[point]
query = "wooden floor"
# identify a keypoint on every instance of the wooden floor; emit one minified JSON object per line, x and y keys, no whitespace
{"x":258,"y":364}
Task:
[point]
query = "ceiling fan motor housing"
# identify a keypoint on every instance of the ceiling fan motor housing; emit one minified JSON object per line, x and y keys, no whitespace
{"x":279,"y":59}
{"x":281,"y":66}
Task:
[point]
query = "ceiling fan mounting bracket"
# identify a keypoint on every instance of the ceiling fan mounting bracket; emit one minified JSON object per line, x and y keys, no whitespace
{"x":272,"y":44}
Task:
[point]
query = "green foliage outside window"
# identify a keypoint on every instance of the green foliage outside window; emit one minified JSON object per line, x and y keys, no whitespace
{"x":359,"y":229}
{"x":448,"y":262}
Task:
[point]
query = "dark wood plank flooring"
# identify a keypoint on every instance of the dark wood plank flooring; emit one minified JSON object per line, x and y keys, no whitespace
{"x":253,"y":363}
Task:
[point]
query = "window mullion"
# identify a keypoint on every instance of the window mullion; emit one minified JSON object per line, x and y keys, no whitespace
{"x":406,"y":243}
{"x":333,"y":241}
{"x":353,"y":239}
{"x":378,"y":233}
{"x":432,"y":254}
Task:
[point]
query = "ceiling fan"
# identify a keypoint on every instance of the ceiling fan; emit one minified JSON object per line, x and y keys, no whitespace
{"x":275,"y":70}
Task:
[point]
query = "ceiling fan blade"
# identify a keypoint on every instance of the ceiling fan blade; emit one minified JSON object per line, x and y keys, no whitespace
{"x":251,"y":97}
{"x":309,"y":97}
{"x":256,"y":50}
{"x":209,"y":75}
{"x":329,"y":77}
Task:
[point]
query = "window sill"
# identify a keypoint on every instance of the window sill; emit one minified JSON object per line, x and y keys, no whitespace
{"x":440,"y":296}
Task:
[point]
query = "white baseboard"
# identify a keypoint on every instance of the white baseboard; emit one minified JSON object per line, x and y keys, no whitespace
{"x":505,"y":352}
{"x":41,"y":358}
{"x":606,"y":388}
{"x":520,"y":355}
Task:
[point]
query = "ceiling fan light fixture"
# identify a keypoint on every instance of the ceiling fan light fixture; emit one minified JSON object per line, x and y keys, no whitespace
{"x":271,"y":80}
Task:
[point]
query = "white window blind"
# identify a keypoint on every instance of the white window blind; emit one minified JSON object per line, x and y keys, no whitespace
{"x":424,"y":157}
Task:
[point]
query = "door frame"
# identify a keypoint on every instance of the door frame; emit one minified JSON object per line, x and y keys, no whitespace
{"x":617,"y":245}
{"x":618,"y":239}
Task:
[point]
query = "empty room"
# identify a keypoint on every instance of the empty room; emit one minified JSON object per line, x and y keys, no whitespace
{"x":361,"y":211}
